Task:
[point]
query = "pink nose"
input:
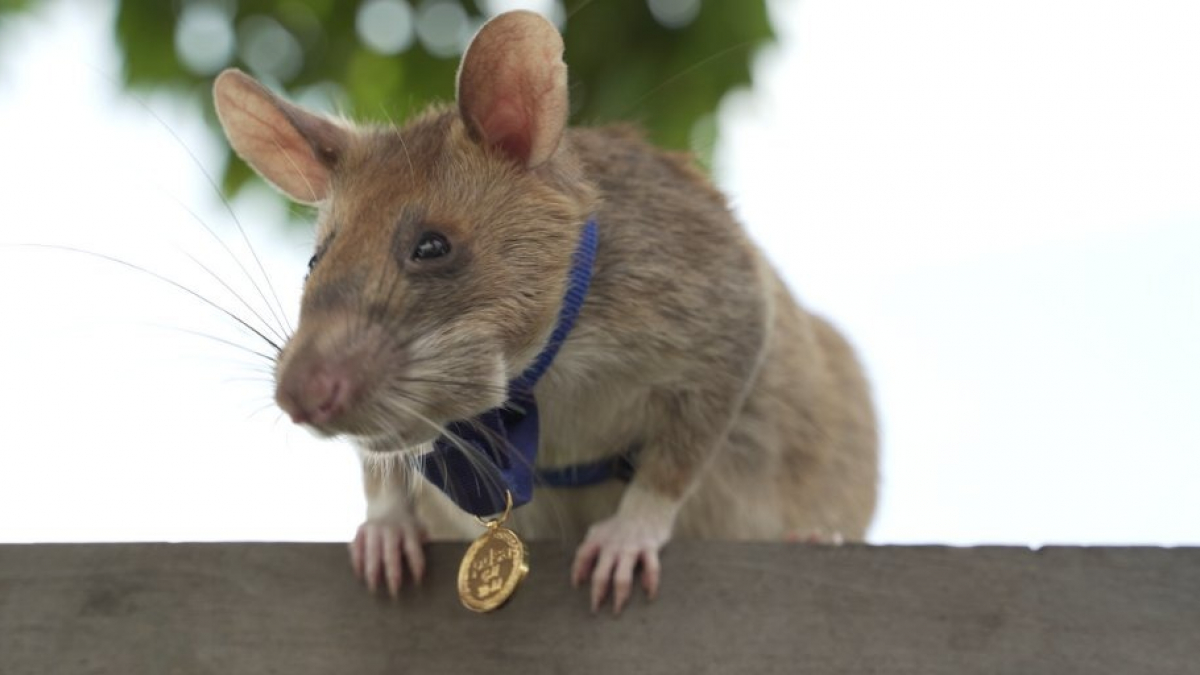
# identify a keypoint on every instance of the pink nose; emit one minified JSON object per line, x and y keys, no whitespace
{"x":315,"y":395}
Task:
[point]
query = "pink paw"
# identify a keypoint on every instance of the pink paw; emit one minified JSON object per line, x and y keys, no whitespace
{"x":379,"y":552}
{"x":612,"y":552}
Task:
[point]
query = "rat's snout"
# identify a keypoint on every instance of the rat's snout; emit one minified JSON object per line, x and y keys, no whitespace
{"x":345,"y":374}
{"x":323,"y":376}
{"x":330,"y":370}
{"x":314,"y":392}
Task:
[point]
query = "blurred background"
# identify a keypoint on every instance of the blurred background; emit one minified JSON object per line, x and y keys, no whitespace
{"x":999,"y":202}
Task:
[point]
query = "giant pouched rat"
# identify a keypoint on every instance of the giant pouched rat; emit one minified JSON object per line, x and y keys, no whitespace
{"x":443,"y":251}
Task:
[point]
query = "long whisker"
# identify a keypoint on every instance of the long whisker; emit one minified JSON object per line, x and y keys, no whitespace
{"x":494,"y":487}
{"x":279,"y":415}
{"x":215,"y":338}
{"x":403,"y":145}
{"x":578,"y":8}
{"x":468,"y":451}
{"x":236,"y":295}
{"x":501,"y":444}
{"x":281,"y":317}
{"x":463,"y":384}
{"x":160,"y":277}
{"x":280,"y":321}
{"x":303,"y":176}
{"x":685,"y":72}
{"x":262,"y":409}
{"x":262,"y":379}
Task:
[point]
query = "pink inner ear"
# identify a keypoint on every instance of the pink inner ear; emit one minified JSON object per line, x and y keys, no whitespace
{"x":512,"y":87}
{"x":288,"y":146}
{"x":508,"y":127}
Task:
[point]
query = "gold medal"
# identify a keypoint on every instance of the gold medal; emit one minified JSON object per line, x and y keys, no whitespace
{"x":493,"y":566}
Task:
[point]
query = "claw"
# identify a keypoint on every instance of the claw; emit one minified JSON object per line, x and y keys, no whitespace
{"x":601,"y":575}
{"x":373,"y":558}
{"x":650,"y":574}
{"x":613,"y":553}
{"x":380,"y":551}
{"x":414,"y":551}
{"x":356,"y":555}
{"x":392,"y":564}
{"x":585,"y":559}
{"x":623,"y":580}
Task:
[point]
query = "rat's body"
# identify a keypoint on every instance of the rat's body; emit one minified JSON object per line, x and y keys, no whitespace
{"x":443,"y":254}
{"x":684,"y":308}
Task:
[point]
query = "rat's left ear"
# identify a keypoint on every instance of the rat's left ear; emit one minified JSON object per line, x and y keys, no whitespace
{"x":512,"y":87}
{"x":294,"y":149}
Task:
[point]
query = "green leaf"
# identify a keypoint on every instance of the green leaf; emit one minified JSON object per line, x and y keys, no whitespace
{"x":14,"y":5}
{"x":624,"y":65}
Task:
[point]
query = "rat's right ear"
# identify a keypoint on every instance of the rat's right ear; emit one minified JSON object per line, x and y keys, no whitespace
{"x":287,"y":145}
{"x":512,"y":87}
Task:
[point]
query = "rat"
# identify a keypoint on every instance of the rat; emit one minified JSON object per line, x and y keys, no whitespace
{"x":443,"y":252}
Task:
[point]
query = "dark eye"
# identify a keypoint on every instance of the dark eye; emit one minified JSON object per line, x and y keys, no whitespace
{"x":312,"y":262}
{"x":431,"y":245}
{"x":322,"y":247}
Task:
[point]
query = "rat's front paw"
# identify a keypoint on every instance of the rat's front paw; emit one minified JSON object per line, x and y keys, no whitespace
{"x":611,"y":552}
{"x":381,"y":548}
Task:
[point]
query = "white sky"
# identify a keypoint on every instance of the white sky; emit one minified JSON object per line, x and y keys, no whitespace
{"x":999,"y":201}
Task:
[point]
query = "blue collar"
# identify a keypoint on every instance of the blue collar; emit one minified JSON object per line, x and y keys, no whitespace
{"x":481,"y":458}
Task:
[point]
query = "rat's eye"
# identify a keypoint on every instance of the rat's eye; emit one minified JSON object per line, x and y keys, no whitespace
{"x":317,"y":255}
{"x":312,"y":262}
{"x":431,"y":245}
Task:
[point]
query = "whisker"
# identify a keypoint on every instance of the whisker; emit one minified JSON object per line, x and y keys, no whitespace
{"x":578,"y":8}
{"x":278,"y":418}
{"x":379,"y":464}
{"x":403,"y":145}
{"x":236,"y":295}
{"x":160,"y":277}
{"x":303,"y":176}
{"x":683,"y":73}
{"x":463,"y":384}
{"x":281,"y":317}
{"x":501,"y":444}
{"x":221,"y":340}
{"x":495,"y":487}
{"x":281,"y":322}
{"x":469,"y":452}
{"x":256,"y":380}
{"x":260,"y":410}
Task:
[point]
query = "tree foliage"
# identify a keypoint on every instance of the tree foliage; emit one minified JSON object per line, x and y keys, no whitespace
{"x":665,"y":64}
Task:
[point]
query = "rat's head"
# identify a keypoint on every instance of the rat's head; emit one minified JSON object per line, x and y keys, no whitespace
{"x":442,"y":248}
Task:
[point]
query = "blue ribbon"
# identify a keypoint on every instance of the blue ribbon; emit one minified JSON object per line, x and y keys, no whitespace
{"x":479,"y":459}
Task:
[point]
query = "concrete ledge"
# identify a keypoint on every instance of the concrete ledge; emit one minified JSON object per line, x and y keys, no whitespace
{"x":724,"y":608}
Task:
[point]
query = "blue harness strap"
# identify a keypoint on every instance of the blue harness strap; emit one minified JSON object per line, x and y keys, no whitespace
{"x":478,"y":460}
{"x":620,"y":467}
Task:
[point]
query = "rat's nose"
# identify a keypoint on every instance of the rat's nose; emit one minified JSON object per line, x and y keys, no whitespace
{"x":316,"y":394}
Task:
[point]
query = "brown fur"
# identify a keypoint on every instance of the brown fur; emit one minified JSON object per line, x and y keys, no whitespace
{"x":691,"y":345}
{"x":753,"y":416}
{"x":688,"y":343}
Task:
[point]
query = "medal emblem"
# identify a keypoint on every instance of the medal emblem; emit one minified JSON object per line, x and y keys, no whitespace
{"x":493,"y":566}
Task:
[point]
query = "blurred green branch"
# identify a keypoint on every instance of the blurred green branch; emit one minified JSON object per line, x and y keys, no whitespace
{"x":665,"y":64}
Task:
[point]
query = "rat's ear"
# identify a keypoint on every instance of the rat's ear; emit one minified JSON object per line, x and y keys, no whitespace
{"x":512,"y":87}
{"x":287,"y":145}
